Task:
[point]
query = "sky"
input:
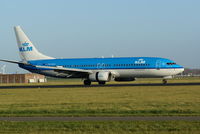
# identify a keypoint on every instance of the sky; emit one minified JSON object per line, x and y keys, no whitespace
{"x":96,"y":28}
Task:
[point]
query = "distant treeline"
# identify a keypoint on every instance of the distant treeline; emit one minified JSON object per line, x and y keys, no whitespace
{"x":188,"y":71}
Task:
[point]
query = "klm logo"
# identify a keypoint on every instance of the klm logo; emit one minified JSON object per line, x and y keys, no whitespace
{"x":25,"y":47}
{"x":140,"y":61}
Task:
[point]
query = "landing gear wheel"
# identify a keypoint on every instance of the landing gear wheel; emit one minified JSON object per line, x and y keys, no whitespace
{"x":164,"y":81}
{"x":87,"y":82}
{"x":102,"y":82}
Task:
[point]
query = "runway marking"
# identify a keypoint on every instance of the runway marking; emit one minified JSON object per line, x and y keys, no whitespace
{"x":132,"y":118}
{"x":108,"y":85}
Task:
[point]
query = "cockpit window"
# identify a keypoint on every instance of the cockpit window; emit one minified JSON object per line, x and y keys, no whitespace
{"x":171,"y":63}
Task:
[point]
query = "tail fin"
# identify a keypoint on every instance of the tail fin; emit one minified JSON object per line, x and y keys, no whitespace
{"x":27,"y":50}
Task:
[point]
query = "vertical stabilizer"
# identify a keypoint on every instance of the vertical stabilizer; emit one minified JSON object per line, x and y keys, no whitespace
{"x":27,"y":50}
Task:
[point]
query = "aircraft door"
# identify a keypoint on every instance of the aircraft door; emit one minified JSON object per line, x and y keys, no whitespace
{"x":158,"y":64}
{"x":100,"y":65}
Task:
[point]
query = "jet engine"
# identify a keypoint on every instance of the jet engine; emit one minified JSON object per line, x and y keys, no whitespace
{"x":100,"y":76}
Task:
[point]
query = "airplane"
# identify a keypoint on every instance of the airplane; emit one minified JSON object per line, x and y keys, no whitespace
{"x":99,"y":70}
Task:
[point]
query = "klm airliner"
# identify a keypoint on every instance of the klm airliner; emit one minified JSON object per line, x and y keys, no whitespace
{"x":99,"y":70}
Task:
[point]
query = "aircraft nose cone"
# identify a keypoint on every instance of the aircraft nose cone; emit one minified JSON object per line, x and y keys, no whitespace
{"x":180,"y":70}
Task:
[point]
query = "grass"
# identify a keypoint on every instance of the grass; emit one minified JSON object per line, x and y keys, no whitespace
{"x":102,"y":101}
{"x":93,"y":127}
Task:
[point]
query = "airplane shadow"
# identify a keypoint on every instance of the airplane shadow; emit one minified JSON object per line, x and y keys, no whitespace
{"x":107,"y":85}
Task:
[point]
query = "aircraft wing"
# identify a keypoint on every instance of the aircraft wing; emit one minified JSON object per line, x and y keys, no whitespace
{"x":61,"y":68}
{"x":68,"y":72}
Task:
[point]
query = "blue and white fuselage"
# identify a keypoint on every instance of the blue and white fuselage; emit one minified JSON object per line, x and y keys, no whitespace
{"x":120,"y":68}
{"x":93,"y":69}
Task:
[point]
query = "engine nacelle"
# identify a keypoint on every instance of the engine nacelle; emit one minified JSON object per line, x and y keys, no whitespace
{"x":100,"y":76}
{"x":125,"y":79}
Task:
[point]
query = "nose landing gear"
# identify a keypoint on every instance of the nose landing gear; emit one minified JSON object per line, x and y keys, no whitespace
{"x":164,"y":81}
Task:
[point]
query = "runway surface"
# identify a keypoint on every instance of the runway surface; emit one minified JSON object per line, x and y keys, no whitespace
{"x":108,"y":85}
{"x":132,"y":118}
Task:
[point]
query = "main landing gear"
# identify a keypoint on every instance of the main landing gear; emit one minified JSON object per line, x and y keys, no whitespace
{"x":102,"y":82}
{"x":88,"y":82}
{"x":164,"y":81}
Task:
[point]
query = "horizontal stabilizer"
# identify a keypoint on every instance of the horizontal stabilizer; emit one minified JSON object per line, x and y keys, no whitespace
{"x":15,"y":62}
